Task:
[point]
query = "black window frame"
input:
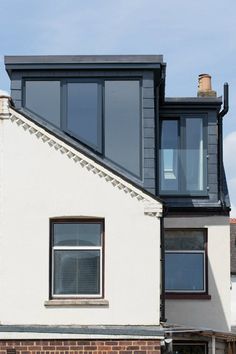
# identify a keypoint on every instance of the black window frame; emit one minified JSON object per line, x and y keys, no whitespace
{"x":181,"y":119}
{"x":191,"y":344}
{"x":191,"y":294}
{"x":100,"y":149}
{"x":54,"y":221}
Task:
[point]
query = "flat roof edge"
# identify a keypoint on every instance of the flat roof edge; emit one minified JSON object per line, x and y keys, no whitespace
{"x":192,"y":100}
{"x":75,"y":59}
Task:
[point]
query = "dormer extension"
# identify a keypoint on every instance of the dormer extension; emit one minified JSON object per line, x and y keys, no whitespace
{"x":103,"y":104}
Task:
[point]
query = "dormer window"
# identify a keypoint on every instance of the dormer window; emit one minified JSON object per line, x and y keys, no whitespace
{"x":103,"y":114}
{"x":183,"y":155}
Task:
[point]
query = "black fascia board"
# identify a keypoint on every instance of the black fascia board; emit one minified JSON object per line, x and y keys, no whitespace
{"x":69,"y":59}
{"x":86,"y":152}
{"x":197,"y":210}
{"x":107,"y":62}
{"x":191,"y":102}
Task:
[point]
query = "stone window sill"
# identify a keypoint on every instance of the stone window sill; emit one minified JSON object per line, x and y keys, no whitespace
{"x":76,"y":303}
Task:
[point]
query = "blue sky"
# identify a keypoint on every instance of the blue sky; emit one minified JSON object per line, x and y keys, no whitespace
{"x":194,"y":36}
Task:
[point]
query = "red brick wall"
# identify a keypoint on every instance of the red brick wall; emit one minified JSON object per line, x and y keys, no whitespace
{"x":80,"y":346}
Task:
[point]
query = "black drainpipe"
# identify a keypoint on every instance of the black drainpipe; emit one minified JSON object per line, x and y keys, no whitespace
{"x":162,"y":246}
{"x":220,"y":143}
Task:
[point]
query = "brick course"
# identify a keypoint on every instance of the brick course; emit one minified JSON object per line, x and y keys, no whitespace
{"x":79,"y":346}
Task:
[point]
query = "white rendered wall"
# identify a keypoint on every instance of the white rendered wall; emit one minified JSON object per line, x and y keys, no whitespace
{"x":39,"y":183}
{"x":214,"y":313}
{"x":233,"y":300}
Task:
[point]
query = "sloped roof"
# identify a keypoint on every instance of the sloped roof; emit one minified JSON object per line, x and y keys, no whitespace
{"x":152,"y":204}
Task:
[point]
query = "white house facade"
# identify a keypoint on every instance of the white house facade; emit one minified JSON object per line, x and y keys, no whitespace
{"x":114,"y":211}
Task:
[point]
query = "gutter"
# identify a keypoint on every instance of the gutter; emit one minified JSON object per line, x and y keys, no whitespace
{"x":163,"y":287}
{"x":221,"y":114}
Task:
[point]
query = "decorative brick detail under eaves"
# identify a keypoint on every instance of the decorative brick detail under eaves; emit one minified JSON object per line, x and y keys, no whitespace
{"x":80,"y":346}
{"x":151,"y":206}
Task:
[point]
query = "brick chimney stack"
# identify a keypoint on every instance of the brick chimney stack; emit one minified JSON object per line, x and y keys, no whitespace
{"x":4,"y":105}
{"x":204,"y":86}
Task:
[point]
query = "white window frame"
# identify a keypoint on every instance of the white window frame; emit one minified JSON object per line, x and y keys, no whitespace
{"x":77,"y":248}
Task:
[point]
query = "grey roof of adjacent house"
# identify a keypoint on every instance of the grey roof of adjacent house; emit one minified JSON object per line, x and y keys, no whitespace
{"x":233,"y":246}
{"x":152,"y":331}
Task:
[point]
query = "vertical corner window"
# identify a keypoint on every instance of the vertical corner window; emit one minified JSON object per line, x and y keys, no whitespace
{"x":76,"y":258}
{"x":169,"y":155}
{"x":123,"y":124}
{"x":43,"y":99}
{"x":185,"y":261}
{"x":84,"y":112}
{"x":183,"y":156}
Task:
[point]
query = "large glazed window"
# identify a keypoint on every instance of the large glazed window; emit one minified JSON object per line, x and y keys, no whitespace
{"x":122,"y":124}
{"x":185,"y":261}
{"x":103,"y":114}
{"x":43,"y":99}
{"x":76,"y":254}
{"x":83,"y":118}
{"x":183,"y":156}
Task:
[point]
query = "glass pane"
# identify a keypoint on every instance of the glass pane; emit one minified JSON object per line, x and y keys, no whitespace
{"x":184,"y":271}
{"x":122,"y":124}
{"x":83,"y":113}
{"x":189,"y":349}
{"x":184,"y":240}
{"x":77,"y":234}
{"x":169,"y":155}
{"x":76,"y":272}
{"x":194,"y":154}
{"x":43,"y":98}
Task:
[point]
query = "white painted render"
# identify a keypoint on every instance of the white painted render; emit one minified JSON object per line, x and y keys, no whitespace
{"x":39,"y":181}
{"x":214,"y":313}
{"x":233,"y":300}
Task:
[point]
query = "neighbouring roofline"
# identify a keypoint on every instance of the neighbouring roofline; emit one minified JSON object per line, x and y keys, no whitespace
{"x":96,"y":331}
{"x":152,"y":205}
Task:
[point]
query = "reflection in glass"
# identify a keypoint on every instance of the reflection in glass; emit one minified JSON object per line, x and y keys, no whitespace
{"x":43,"y":98}
{"x":184,"y":240}
{"x":169,"y":155}
{"x":77,"y":234}
{"x":122,"y":124}
{"x":194,"y":154}
{"x":184,"y":271}
{"x":76,"y":272}
{"x":189,"y":348}
{"x":83,"y":113}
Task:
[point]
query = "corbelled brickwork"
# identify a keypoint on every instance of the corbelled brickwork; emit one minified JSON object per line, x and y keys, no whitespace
{"x":79,"y":346}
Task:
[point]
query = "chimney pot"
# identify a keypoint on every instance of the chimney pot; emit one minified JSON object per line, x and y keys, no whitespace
{"x":204,"y":86}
